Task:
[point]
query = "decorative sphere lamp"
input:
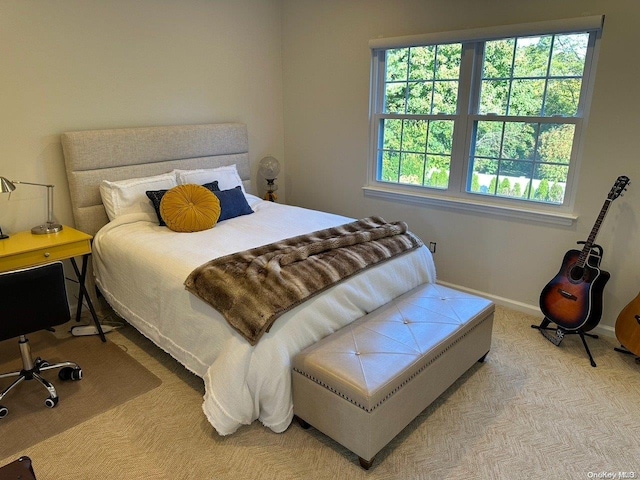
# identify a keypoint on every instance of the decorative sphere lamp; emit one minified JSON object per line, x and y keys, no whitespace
{"x":269,"y":168}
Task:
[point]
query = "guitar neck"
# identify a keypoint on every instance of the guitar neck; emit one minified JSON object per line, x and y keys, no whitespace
{"x":582,"y":259}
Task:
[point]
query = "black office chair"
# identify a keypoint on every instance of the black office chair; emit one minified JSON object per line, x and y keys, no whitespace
{"x":34,"y":299}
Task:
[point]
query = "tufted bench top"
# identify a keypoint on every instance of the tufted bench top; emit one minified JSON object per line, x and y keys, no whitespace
{"x":369,"y":360}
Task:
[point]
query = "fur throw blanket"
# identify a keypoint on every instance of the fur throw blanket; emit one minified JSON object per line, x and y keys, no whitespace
{"x":253,"y":288}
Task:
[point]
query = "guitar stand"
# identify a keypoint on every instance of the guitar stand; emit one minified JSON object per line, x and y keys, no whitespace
{"x":622,"y":349}
{"x":560,"y":334}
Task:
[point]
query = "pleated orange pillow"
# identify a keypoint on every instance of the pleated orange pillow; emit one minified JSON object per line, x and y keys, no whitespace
{"x":189,"y":208}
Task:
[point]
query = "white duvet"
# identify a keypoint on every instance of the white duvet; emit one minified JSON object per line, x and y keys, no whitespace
{"x":140,"y":268}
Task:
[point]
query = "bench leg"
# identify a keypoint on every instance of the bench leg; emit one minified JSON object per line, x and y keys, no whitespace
{"x":366,"y":464}
{"x":481,"y":360}
{"x":302,"y":423}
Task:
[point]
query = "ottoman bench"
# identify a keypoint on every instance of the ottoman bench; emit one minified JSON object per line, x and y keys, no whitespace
{"x":367,"y":381}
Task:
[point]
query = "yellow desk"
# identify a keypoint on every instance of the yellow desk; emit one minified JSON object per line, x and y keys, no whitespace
{"x":24,"y":249}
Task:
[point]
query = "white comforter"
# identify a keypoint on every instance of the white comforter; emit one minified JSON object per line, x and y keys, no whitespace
{"x":140,"y":268}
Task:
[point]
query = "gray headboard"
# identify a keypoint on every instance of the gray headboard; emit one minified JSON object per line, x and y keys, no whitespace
{"x":95,"y":155}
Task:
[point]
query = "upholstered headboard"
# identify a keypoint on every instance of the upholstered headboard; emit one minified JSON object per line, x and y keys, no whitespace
{"x":95,"y":155}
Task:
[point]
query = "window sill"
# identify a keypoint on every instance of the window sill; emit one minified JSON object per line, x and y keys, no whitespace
{"x":463,"y":204}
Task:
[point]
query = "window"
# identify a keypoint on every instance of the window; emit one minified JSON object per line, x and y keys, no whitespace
{"x":492,"y":119}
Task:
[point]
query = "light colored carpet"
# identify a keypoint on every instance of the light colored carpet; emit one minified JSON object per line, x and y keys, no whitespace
{"x":531,"y":411}
{"x":110,"y":378}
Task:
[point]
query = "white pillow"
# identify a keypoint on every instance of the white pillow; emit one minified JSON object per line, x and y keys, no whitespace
{"x":227,"y":177}
{"x":128,"y":196}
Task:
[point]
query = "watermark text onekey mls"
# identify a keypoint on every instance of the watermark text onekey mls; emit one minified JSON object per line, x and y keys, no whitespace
{"x":612,"y":475}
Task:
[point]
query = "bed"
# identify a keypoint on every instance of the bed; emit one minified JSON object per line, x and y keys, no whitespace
{"x":140,"y":267}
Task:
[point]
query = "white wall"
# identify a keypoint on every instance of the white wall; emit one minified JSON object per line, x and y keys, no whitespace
{"x":326,"y":65}
{"x":91,"y":64}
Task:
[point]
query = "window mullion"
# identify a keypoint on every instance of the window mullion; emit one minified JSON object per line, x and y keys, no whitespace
{"x":461,"y":146}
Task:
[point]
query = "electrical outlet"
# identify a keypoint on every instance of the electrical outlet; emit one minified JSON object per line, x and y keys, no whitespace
{"x":432,"y":247}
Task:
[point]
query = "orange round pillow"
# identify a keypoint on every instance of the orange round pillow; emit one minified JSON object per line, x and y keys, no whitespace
{"x":189,"y":208}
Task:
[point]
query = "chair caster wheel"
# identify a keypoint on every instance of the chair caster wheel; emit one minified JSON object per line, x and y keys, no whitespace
{"x":40,"y":363}
{"x":51,"y":402}
{"x":70,"y":373}
{"x":4,"y":411}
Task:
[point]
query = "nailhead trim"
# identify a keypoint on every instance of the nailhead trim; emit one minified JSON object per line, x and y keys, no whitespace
{"x":399,"y":387}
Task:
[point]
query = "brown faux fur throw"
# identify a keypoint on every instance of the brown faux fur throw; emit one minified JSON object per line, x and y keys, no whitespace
{"x":253,"y":288}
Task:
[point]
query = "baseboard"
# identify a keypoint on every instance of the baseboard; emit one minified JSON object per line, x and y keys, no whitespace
{"x":534,"y":310}
{"x":605,"y":331}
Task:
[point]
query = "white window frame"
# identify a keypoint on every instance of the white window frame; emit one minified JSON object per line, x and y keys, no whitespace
{"x":456,"y":196}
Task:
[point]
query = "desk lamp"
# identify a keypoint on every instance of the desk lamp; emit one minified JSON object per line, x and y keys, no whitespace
{"x":269,"y":168}
{"x":7,"y":186}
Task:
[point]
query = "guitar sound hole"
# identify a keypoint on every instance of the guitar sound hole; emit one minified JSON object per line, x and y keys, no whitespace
{"x":576,"y":273}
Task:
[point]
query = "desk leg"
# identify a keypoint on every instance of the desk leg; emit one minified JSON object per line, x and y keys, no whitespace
{"x":83,"y":293}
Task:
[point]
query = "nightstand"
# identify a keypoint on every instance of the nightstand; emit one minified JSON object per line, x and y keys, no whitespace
{"x":24,"y":249}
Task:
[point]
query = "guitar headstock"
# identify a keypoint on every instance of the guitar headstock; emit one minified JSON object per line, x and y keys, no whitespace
{"x":619,"y":187}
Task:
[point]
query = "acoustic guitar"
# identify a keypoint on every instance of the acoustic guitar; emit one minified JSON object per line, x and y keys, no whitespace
{"x":573,"y":298}
{"x":628,"y":326}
